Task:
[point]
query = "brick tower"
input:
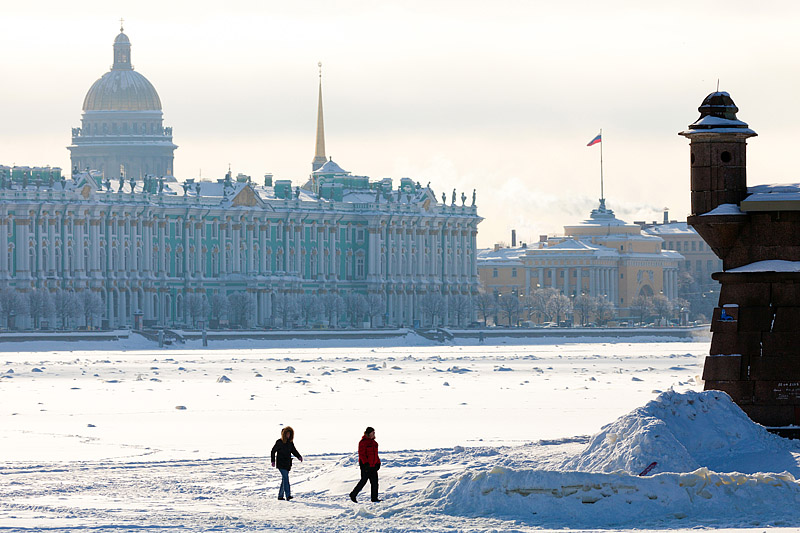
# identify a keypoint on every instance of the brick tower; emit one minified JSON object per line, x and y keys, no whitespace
{"x":755,"y":346}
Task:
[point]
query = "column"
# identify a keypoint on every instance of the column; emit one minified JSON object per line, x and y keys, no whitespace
{"x":236,"y":244}
{"x":579,"y":283}
{"x":321,"y":251}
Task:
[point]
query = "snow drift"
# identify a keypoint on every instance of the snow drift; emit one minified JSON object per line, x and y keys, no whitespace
{"x":689,"y":434}
{"x":589,"y":499}
{"x":681,"y":431}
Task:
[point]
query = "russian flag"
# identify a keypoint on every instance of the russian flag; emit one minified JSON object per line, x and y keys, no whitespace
{"x":596,"y":140}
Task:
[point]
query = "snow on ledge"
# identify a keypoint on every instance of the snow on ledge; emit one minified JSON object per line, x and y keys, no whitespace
{"x":773,"y":265}
{"x":725,"y":209}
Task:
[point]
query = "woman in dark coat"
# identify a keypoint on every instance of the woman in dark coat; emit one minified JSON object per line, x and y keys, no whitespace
{"x":281,"y":456}
{"x":370,"y":464}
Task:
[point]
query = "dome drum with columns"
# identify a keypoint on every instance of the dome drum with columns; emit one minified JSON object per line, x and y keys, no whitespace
{"x":122,"y":128}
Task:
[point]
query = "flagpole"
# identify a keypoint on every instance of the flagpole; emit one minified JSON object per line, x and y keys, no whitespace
{"x":601,"y":165}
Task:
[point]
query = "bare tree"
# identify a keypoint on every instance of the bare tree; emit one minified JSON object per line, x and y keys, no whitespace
{"x":241,"y":306}
{"x":485,"y":304}
{"x":309,"y":306}
{"x":355,"y":306}
{"x":376,"y":306}
{"x":66,"y":306}
{"x":510,"y":307}
{"x":333,"y":305}
{"x":432,"y":305}
{"x":285,"y":307}
{"x":584,"y":306}
{"x":220,"y":305}
{"x":461,"y":306}
{"x":662,"y":307}
{"x":539,"y":301}
{"x":91,"y":305}
{"x":197,"y":307}
{"x":559,"y":305}
{"x":642,"y":307}
{"x":604,"y":311}
{"x":12,"y":303}
{"x":40,"y":305}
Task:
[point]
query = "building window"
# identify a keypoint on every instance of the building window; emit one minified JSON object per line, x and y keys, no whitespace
{"x":494,"y":272}
{"x":694,"y":246}
{"x":360,"y":267}
{"x":513,"y":272}
{"x":700,"y":245}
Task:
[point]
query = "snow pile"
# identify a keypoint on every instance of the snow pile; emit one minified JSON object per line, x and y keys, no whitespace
{"x":689,"y":434}
{"x":681,"y":431}
{"x":587,"y":499}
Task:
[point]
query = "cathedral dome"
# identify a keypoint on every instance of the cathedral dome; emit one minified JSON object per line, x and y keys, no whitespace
{"x":122,"y":90}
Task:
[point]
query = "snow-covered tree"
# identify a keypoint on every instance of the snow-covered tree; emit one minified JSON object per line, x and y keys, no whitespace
{"x":641,"y":308}
{"x":40,"y":305}
{"x":539,"y":303}
{"x":510,"y":307}
{"x":197,"y":307}
{"x":12,"y":303}
{"x":241,"y":306}
{"x":310,"y":307}
{"x":285,"y":308}
{"x":584,"y":306}
{"x":66,"y":306}
{"x":376,"y":306}
{"x":559,"y":305}
{"x":433,"y":306}
{"x":91,"y":305}
{"x":485,"y":305}
{"x":461,"y":307}
{"x":604,"y":311}
{"x":355,"y":306}
{"x":333,"y":306}
{"x":220,"y":306}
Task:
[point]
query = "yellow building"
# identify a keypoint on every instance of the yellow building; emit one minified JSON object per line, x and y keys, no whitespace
{"x":601,"y":256}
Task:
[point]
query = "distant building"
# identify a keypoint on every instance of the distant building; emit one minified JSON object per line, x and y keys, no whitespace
{"x":121,"y":131}
{"x":601,"y":256}
{"x":699,"y":260}
{"x":146,"y":245}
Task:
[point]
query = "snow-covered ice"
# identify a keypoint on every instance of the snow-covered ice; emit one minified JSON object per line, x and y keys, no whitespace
{"x":509,"y":436}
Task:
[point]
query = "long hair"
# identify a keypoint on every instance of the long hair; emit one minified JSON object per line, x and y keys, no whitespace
{"x":287,"y":434}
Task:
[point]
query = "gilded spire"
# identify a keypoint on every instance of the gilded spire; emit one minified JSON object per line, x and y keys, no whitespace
{"x":319,"y":153}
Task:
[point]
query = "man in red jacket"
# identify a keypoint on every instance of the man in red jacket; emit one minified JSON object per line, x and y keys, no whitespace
{"x":370,"y":464}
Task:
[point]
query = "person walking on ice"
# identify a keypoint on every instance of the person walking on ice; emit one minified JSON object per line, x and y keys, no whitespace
{"x":281,"y":457}
{"x":370,"y":464}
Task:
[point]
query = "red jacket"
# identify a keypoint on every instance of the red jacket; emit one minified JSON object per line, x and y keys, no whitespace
{"x":368,"y":451}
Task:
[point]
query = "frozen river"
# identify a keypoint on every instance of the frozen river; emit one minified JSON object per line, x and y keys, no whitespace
{"x":190,"y":403}
{"x":496,"y":437}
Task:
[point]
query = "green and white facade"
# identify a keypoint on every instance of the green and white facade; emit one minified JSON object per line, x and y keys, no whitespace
{"x":143,"y":248}
{"x":144,"y":242}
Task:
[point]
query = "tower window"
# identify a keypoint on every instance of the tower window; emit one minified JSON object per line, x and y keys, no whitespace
{"x":725,"y":156}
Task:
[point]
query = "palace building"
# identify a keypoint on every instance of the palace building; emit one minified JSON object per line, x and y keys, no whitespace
{"x":144,"y":242}
{"x":602,"y":256}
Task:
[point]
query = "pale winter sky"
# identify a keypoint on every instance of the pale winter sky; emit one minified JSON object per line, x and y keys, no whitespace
{"x":500,"y":96}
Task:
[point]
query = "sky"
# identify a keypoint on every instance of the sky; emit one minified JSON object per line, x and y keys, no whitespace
{"x":500,"y":97}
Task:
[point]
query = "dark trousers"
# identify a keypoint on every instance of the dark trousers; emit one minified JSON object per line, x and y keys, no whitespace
{"x":285,"y":488}
{"x":371,"y":474}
